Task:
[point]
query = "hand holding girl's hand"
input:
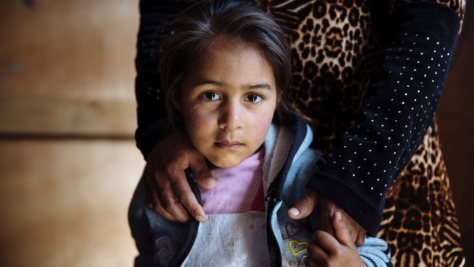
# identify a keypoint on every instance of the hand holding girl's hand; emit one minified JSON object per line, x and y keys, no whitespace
{"x":167,"y":189}
{"x":332,"y":251}
{"x":307,"y":204}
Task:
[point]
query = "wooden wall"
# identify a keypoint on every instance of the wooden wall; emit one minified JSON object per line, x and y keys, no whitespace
{"x":68,"y":162}
{"x":66,"y":66}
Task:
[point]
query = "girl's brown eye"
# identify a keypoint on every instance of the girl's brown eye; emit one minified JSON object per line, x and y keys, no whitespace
{"x":253,"y":98}
{"x":211,"y":96}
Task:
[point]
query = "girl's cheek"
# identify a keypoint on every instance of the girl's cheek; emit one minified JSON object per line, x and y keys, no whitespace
{"x":199,"y":114}
{"x":261,"y":124}
{"x":197,"y":119}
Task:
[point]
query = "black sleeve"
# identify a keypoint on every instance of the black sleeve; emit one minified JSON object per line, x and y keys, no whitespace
{"x":151,"y":112}
{"x":398,"y":109}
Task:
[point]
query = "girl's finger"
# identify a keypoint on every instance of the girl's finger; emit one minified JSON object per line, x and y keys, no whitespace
{"x":327,"y":242}
{"x":317,"y":252}
{"x":341,"y":230}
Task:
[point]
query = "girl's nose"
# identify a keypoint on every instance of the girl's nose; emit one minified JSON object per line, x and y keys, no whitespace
{"x":231,"y":117}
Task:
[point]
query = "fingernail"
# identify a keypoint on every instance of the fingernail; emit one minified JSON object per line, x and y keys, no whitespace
{"x":338,"y":216}
{"x":201,"y":218}
{"x":294,"y":211}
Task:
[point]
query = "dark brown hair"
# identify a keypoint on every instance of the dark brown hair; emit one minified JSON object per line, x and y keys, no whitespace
{"x":197,"y":27}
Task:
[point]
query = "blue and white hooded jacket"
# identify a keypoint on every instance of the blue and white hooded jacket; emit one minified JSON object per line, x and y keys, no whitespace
{"x":288,"y":164}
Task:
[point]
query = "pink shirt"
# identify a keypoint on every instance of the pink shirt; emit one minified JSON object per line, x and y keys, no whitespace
{"x":238,"y":189}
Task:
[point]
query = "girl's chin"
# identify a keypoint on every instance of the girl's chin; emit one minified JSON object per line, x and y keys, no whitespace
{"x":223,"y":163}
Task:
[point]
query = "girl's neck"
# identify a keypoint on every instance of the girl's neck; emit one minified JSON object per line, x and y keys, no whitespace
{"x":259,"y":154}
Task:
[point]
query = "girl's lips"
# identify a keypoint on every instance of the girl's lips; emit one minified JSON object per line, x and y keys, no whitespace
{"x":228,"y":144}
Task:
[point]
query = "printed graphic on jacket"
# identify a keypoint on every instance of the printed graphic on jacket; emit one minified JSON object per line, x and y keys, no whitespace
{"x":295,"y":242}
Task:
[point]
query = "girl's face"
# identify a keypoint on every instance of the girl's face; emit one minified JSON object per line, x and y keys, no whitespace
{"x":227,"y":101}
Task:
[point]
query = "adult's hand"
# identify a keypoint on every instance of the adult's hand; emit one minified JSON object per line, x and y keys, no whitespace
{"x":308,"y":202}
{"x":167,"y":189}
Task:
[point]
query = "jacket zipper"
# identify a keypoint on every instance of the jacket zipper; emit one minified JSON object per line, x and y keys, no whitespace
{"x":183,"y":253}
{"x":273,"y":246}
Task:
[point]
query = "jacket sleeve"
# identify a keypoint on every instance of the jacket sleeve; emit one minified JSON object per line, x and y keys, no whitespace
{"x":398,"y":109}
{"x":151,"y":112}
{"x":140,"y":228}
{"x":375,"y":252}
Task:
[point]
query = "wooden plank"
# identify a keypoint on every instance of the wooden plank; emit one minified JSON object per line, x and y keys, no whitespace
{"x":66,"y":67}
{"x":66,"y":117}
{"x":64,"y":202}
{"x":68,"y":48}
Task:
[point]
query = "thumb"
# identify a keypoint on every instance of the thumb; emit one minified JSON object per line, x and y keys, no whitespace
{"x":305,"y":206}
{"x":341,"y":230}
{"x":201,"y":172}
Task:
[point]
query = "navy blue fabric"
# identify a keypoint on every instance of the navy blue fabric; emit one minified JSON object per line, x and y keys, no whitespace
{"x":151,"y":113}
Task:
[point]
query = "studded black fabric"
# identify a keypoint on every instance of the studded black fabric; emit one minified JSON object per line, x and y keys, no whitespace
{"x":399,"y":108}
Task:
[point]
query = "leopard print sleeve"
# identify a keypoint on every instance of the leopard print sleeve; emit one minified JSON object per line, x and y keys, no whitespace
{"x":398,"y":109}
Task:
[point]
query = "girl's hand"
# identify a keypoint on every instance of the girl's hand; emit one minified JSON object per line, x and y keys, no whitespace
{"x":328,"y":251}
{"x":167,"y":189}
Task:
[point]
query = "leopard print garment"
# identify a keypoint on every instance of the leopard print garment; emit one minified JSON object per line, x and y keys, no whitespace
{"x":420,"y":222}
{"x":334,"y":52}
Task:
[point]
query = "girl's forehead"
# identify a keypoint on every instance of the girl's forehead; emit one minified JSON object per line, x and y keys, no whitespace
{"x":230,"y":63}
{"x":229,"y":45}
{"x":223,"y":48}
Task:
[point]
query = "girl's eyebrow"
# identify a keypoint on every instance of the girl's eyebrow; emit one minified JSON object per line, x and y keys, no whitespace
{"x":246,"y":87}
{"x":259,"y":86}
{"x":211,"y":82}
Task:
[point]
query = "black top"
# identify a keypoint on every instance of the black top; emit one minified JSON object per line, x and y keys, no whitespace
{"x":401,"y":101}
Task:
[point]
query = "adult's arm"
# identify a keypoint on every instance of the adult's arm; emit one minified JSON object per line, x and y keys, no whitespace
{"x":400,"y":105}
{"x":167,"y":153}
{"x":151,"y":113}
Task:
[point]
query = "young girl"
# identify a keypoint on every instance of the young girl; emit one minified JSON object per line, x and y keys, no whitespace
{"x":225,"y":69}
